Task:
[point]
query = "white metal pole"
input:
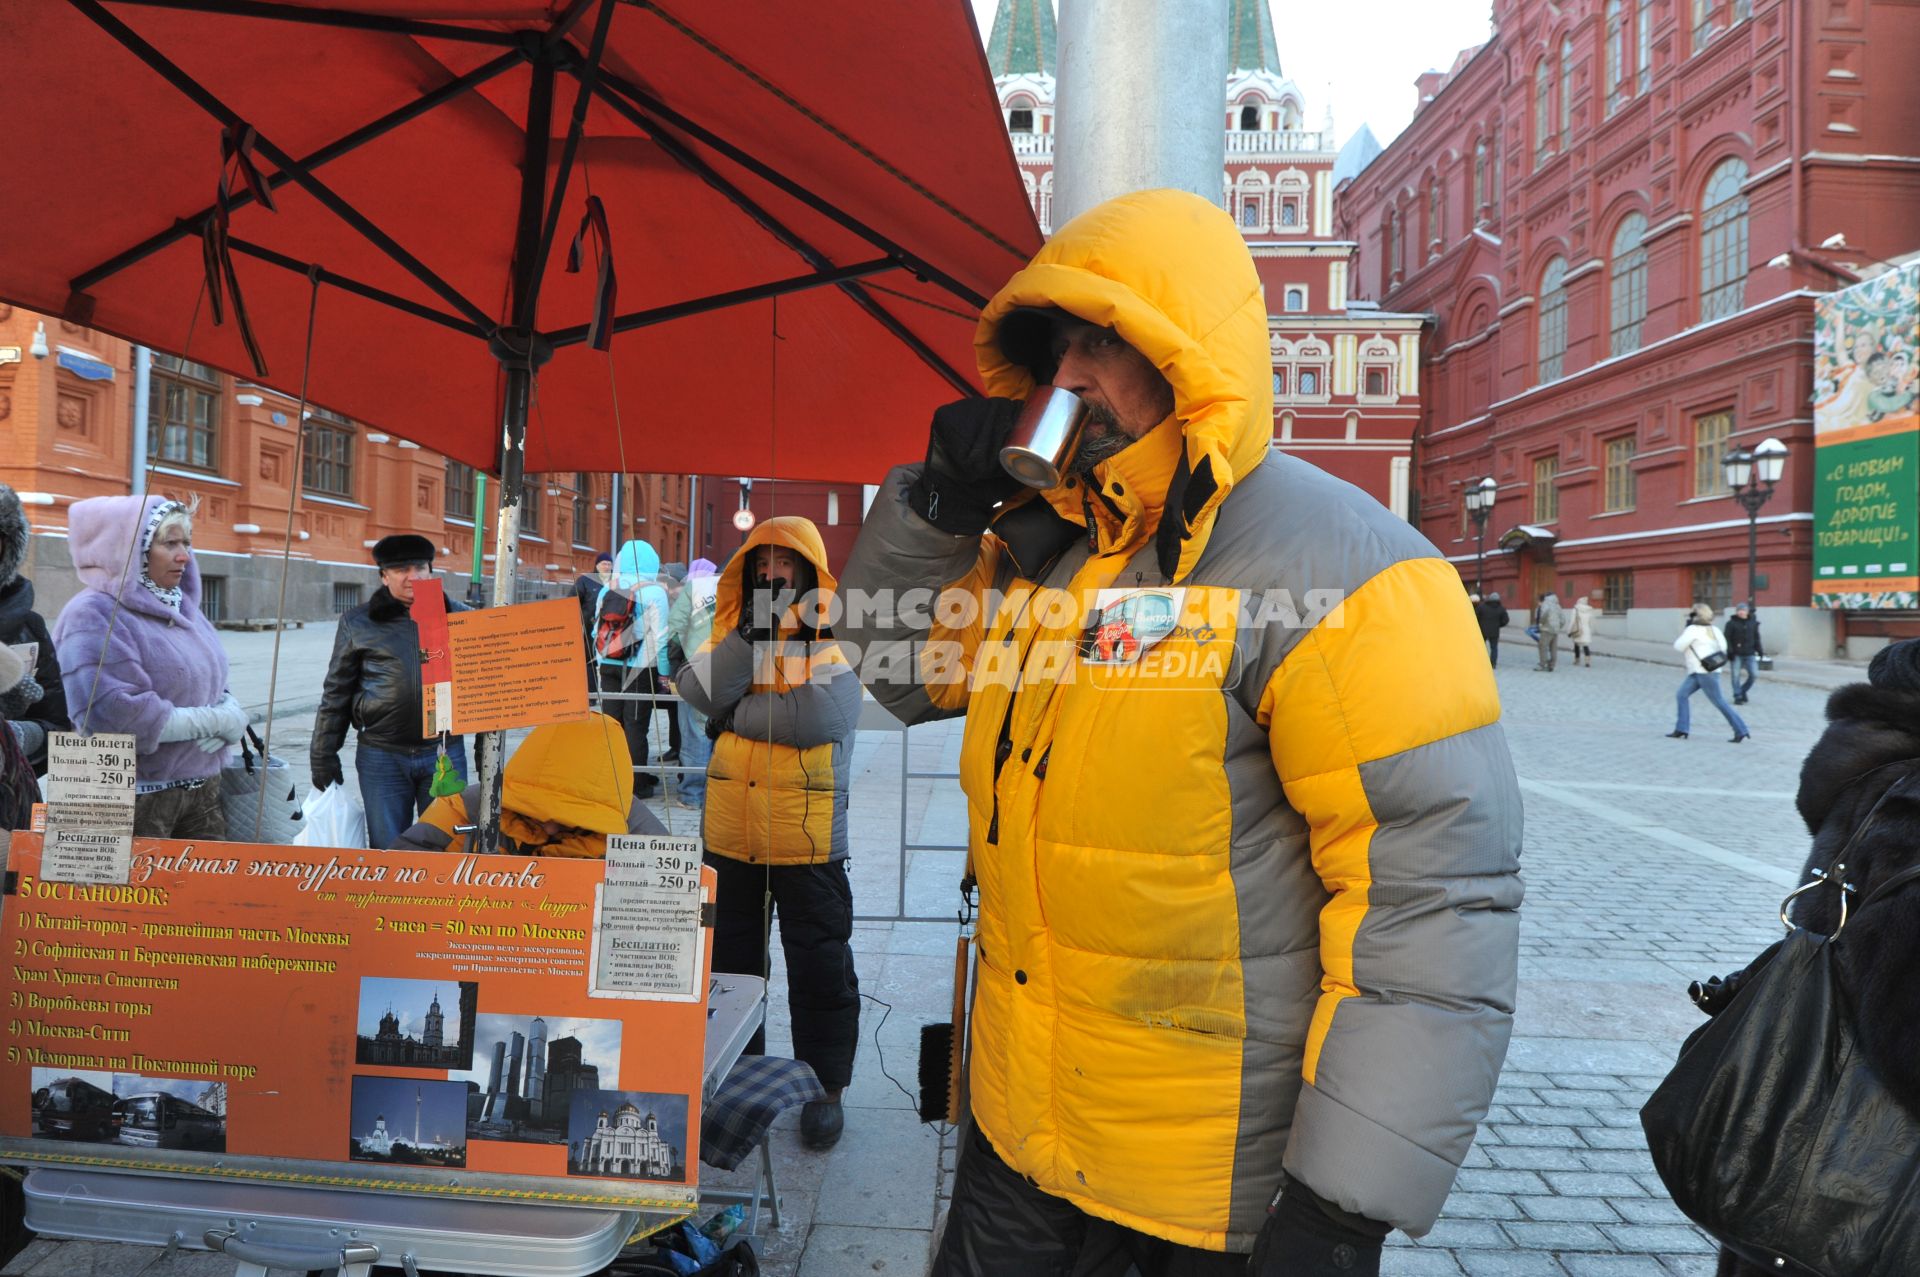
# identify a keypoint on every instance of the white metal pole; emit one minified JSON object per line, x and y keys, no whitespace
{"x":1142,"y":100}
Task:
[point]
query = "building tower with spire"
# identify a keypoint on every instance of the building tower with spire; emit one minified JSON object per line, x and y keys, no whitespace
{"x":430,"y":1037}
{"x":1346,"y":384}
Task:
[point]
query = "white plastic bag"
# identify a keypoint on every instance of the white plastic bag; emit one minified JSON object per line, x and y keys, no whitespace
{"x":332,"y":817}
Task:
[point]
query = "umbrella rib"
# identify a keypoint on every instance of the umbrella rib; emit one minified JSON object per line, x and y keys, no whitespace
{"x":350,"y":285}
{"x":320,"y":191}
{"x":568,"y":150}
{"x":689,"y":160}
{"x":720,"y":301}
{"x":345,"y":145}
{"x":655,"y":111}
{"x":337,"y":18}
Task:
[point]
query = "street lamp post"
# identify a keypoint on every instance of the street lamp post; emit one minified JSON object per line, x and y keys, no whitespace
{"x":1479,"y":498}
{"x":1751,"y":476}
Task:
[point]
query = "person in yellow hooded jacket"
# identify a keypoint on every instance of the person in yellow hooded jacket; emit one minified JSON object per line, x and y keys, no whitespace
{"x":782,"y":704}
{"x":566,"y":788}
{"x":1244,"y":823}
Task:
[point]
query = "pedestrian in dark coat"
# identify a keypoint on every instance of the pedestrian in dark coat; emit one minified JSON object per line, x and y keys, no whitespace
{"x":37,"y":704}
{"x":373,"y":686}
{"x":1872,"y":744}
{"x":1744,"y":650}
{"x":1493,"y":617}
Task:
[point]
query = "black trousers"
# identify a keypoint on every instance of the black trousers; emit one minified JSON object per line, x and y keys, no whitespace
{"x":815,"y":906}
{"x":635,"y":717}
{"x":1001,"y":1226}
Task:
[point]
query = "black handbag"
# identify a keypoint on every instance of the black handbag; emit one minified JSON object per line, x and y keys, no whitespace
{"x":1713,"y":661}
{"x":1773,"y":1131}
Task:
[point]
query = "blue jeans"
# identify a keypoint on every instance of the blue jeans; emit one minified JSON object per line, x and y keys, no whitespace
{"x":397,"y":785}
{"x":1741,"y":671}
{"x":1710,"y":684}
{"x":695,"y":751}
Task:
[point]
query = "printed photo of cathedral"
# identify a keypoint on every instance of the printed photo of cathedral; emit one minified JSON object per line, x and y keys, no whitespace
{"x":628,"y":1135}
{"x":425,"y":1024}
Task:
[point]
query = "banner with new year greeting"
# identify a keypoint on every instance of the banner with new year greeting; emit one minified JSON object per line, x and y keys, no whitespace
{"x":361,"y":1018}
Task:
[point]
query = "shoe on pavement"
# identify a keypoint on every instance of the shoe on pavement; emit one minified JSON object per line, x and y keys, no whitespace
{"x":1740,"y":737}
{"x":1739,"y":700}
{"x":1676,"y":735}
{"x":821,"y":1122}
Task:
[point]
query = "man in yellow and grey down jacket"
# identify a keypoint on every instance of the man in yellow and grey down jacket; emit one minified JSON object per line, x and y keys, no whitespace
{"x":1242,"y":815}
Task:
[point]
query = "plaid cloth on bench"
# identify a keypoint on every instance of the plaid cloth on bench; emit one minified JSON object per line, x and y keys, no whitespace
{"x":756,"y":1092}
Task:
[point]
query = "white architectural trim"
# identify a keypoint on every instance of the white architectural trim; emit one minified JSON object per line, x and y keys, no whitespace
{"x":193,"y":474}
{"x":1719,"y":526}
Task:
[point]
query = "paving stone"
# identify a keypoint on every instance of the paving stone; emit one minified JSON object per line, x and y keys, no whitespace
{"x":1500,"y":1181}
{"x":836,"y":1250}
{"x":1692,"y":1265}
{"x":1648,"y":1210}
{"x":1539,"y":1159}
{"x":1485,"y":1263}
{"x":1558,"y":1236}
{"x":1614,"y":1136}
{"x":32,"y":1253}
{"x":1545,"y":1115}
{"x":1576,"y":1098}
{"x":1540,"y":1136}
{"x":1418,"y":1263}
{"x":1594,"y":1184}
{"x":1617,"y":1159}
{"x":1658,"y":1239}
{"x":1485,"y":1206}
{"x":1463,"y":1233}
{"x":1613,"y":1266}
{"x":882,"y":1174}
{"x":1573,"y":1210}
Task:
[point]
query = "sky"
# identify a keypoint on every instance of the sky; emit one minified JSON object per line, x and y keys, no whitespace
{"x":1363,"y":54}
{"x":409,"y":1000}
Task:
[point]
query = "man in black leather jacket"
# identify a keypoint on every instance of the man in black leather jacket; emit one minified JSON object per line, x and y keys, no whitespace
{"x":373,"y":682}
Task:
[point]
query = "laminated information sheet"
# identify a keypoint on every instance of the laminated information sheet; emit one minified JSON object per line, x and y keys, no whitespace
{"x":403,"y":1020}
{"x":89,"y":818}
{"x":648,"y":941}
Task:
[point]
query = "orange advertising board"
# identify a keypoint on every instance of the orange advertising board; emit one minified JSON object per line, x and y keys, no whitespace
{"x":363,"y":1019}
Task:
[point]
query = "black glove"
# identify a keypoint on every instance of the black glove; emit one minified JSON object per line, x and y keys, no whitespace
{"x":763,"y":602}
{"x":1306,"y":1236}
{"x":963,"y":479}
{"x":326,"y":771}
{"x":719,"y":725}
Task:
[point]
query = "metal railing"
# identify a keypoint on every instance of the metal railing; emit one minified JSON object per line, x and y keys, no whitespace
{"x":873,"y":718}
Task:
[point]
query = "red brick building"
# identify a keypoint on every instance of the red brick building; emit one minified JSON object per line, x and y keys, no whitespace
{"x":66,"y":421}
{"x":1618,"y":214}
{"x":1345,"y":374}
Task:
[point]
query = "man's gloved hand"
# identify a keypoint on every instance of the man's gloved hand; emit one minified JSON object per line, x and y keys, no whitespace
{"x":326,"y":771}
{"x":1307,"y":1237}
{"x":963,"y":479}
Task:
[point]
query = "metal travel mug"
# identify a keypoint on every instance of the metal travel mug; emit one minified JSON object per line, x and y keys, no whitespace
{"x":1044,"y":436}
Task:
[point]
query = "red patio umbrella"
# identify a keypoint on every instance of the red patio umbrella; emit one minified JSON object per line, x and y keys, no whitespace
{"x":847,"y":157}
{"x":803,"y":205}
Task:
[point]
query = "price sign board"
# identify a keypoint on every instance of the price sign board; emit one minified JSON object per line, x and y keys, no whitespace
{"x":647,"y":932}
{"x":89,"y":792}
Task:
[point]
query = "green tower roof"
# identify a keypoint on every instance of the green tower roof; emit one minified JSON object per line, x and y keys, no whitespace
{"x":1023,"y":38}
{"x":1250,"y":43}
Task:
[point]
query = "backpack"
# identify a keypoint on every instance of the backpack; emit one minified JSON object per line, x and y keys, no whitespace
{"x":614,"y":637}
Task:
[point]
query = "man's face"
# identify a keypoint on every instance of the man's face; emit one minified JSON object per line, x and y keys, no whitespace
{"x":604,"y":569}
{"x":775,"y":562}
{"x":1126,"y":393}
{"x":399,"y":579}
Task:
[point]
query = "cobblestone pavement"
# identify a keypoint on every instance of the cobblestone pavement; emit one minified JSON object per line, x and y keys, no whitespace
{"x":1649,"y":863}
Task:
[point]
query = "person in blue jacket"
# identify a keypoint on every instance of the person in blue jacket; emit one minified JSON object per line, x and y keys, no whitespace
{"x":630,"y":648}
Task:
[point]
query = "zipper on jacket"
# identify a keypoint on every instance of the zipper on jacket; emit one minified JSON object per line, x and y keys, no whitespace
{"x":1040,"y":768}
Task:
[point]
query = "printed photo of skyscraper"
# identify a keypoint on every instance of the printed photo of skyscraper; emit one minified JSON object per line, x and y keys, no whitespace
{"x":525,"y":1070}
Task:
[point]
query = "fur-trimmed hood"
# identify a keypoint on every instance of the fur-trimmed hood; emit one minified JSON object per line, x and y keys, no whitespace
{"x":14,"y":534}
{"x":1867,"y":727}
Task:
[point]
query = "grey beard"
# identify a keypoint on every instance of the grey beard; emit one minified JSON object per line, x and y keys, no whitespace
{"x":1091,"y":451}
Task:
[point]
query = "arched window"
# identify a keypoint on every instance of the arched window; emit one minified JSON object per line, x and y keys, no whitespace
{"x":1250,"y":117}
{"x":1616,"y":54}
{"x":1479,"y":177}
{"x":1392,"y":235}
{"x":1628,"y":280}
{"x":1553,"y":319}
{"x":1566,"y":90}
{"x":1436,"y":216}
{"x":1495,"y":159}
{"x":1309,"y":382}
{"x":1542,"y":111}
{"x":1723,"y":241}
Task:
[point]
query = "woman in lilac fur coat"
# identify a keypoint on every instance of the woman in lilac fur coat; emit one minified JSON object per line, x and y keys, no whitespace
{"x":152,"y":667}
